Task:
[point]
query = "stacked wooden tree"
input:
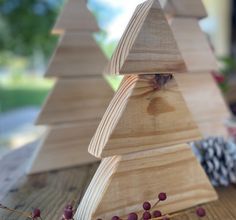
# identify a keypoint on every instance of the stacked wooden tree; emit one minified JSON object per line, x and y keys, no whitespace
{"x":143,"y":134}
{"x":199,"y":88}
{"x":80,"y":96}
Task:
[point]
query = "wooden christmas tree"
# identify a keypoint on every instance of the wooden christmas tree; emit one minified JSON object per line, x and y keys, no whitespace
{"x":143,"y":134}
{"x":80,"y":96}
{"x":199,"y":89}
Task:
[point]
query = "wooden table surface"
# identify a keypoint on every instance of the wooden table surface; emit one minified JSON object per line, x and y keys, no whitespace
{"x":51,"y":191}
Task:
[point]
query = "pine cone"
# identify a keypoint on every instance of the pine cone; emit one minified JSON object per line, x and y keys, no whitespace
{"x":218,"y":158}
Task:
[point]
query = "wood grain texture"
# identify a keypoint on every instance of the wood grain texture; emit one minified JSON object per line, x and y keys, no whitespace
{"x":76,"y":55}
{"x":184,"y":8}
{"x":141,"y":117}
{"x":75,"y":17}
{"x":193,"y":45}
{"x":64,"y":146}
{"x":52,"y":190}
{"x":76,"y":100}
{"x":205,"y":102}
{"x":122,"y":183}
{"x":147,"y":45}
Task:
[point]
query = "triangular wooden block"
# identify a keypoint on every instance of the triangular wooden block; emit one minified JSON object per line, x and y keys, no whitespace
{"x":205,"y":102}
{"x":64,"y":146}
{"x":185,"y":8}
{"x":77,"y":55}
{"x":122,"y":183}
{"x":75,"y":17}
{"x":142,"y":116}
{"x":76,"y":100}
{"x":193,"y":45}
{"x":147,"y":45}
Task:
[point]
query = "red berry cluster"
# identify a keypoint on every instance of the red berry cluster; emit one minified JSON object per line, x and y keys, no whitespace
{"x":68,"y":213}
{"x":156,"y":214}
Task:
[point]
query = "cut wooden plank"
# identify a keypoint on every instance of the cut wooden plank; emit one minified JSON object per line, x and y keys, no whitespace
{"x":122,"y":183}
{"x":185,"y":8}
{"x":205,"y":102}
{"x":64,"y":146}
{"x":76,"y":100}
{"x":77,"y":55}
{"x":147,"y":45}
{"x":75,"y":17}
{"x":142,"y":117}
{"x":194,"y":45}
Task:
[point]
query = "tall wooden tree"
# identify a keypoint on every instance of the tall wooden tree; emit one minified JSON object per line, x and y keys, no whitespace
{"x":198,"y":86}
{"x":80,"y":96}
{"x":143,"y":134}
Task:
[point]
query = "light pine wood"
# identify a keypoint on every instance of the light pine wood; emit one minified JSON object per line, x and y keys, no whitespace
{"x":77,"y":55}
{"x":193,"y":45}
{"x":51,"y":191}
{"x":76,"y":100}
{"x":141,"y":117}
{"x":147,"y":45}
{"x":64,"y":146}
{"x":205,"y":102}
{"x":122,"y":183}
{"x":75,"y":17}
{"x":185,"y":8}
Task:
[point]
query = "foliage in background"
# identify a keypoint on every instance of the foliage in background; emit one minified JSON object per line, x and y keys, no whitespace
{"x":25,"y":26}
{"x":229,"y":65}
{"x":226,"y":71}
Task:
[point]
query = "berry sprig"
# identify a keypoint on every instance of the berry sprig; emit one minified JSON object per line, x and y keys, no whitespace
{"x":151,"y":214}
{"x":34,"y":215}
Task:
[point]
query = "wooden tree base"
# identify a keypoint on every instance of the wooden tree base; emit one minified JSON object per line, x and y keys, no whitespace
{"x":64,"y":146}
{"x":122,"y":183}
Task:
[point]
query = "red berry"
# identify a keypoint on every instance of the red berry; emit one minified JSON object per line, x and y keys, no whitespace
{"x":115,"y":218}
{"x":147,"y":215}
{"x":146,"y":206}
{"x":156,"y":214}
{"x":68,"y":214}
{"x":201,"y":212}
{"x":36,"y":213}
{"x":162,"y":196}
{"x":133,"y":216}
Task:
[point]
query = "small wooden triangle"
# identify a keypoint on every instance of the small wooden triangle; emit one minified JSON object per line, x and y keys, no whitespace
{"x":147,"y":45}
{"x":205,"y":102}
{"x":122,"y":183}
{"x":77,"y":55}
{"x":185,"y":8}
{"x":64,"y":146}
{"x":76,"y":100}
{"x":75,"y":17}
{"x":193,"y":45}
{"x":165,"y":118}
